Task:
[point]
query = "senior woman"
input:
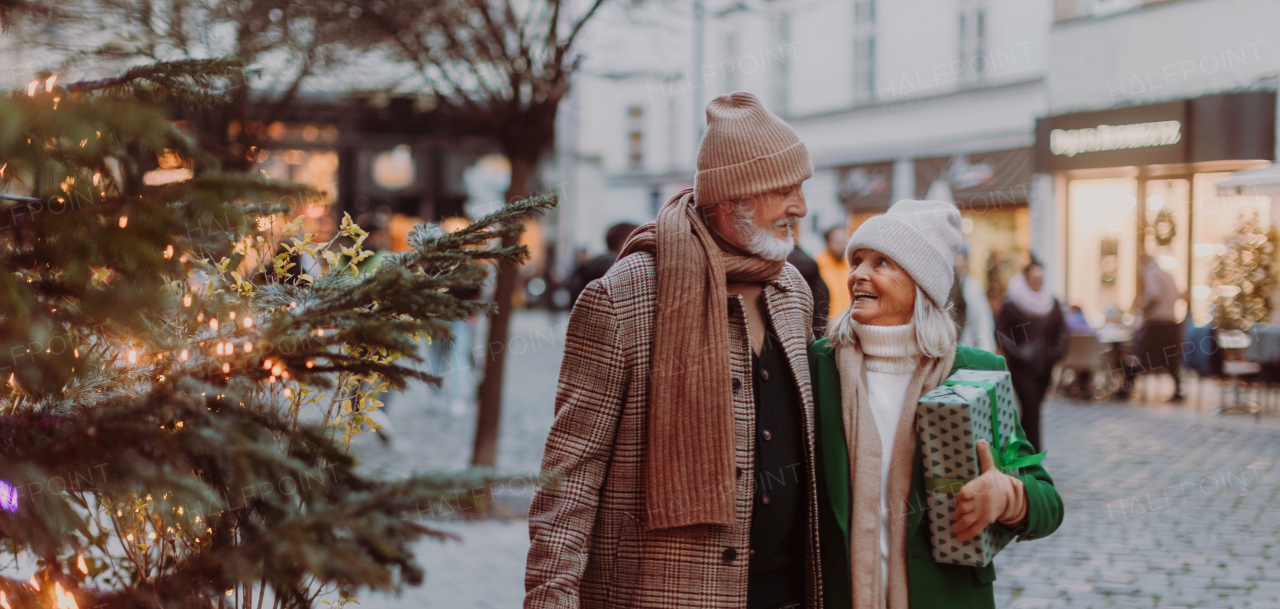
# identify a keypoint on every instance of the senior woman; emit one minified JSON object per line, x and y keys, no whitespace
{"x":894,"y":344}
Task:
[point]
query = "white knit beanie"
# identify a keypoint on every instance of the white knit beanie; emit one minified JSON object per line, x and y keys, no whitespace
{"x":746,"y":150}
{"x":922,"y":237}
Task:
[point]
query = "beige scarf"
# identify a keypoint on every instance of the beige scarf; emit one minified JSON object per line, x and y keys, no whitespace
{"x":869,"y":591}
{"x":689,"y":472}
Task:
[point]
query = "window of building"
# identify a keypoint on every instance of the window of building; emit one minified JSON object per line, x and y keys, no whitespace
{"x":973,"y":39}
{"x":782,"y":77}
{"x":635,"y":138}
{"x":733,"y":55}
{"x":864,"y":49}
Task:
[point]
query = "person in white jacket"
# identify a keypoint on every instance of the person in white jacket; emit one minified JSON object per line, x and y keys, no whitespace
{"x":979,"y":323}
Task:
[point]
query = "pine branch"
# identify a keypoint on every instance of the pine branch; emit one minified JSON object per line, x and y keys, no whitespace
{"x":185,"y":81}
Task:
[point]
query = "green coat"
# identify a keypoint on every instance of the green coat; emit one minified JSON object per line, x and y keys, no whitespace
{"x":930,"y":584}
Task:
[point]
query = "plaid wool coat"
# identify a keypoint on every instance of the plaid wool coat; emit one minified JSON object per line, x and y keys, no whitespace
{"x":589,"y":546}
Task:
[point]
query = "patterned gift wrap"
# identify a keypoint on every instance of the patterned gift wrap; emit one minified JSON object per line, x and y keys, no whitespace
{"x":952,"y":418}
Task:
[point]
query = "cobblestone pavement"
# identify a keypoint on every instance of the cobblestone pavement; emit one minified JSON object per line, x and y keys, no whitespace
{"x":1166,"y":506}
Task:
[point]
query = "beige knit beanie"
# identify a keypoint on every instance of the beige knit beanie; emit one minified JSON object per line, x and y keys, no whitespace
{"x":922,"y":237}
{"x":746,"y":150}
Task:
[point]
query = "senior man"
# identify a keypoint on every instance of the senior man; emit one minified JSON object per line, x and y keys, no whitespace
{"x":683,"y":436}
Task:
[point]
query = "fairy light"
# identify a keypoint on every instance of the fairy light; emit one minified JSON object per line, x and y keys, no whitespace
{"x":35,"y":584}
{"x":311,"y":363}
{"x":183,"y":356}
{"x":48,"y":84}
{"x":186,"y":300}
{"x":213,"y":324}
{"x":288,"y":393}
{"x":31,"y":89}
{"x":80,"y":565}
{"x":133,"y":356}
{"x":64,"y":599}
{"x":226,"y":368}
{"x":168,"y":252}
{"x":4,"y":600}
{"x":266,"y":364}
{"x":248,"y":346}
{"x":231,"y":315}
{"x":219,"y":349}
{"x":320,"y":332}
{"x":124,"y":221}
{"x":76,"y":352}
{"x":293,"y":304}
{"x":200,"y":317}
{"x":97,"y":177}
{"x":248,"y":322}
{"x":275,"y":370}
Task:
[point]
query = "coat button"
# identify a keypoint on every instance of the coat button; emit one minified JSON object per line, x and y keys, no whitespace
{"x":765,"y":498}
{"x":730,"y":554}
{"x":751,"y":552}
{"x":764,"y":374}
{"x":767,"y":435}
{"x":739,"y":472}
{"x":737,"y":384}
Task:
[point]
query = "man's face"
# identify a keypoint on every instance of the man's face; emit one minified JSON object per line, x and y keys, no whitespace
{"x":761,"y":224}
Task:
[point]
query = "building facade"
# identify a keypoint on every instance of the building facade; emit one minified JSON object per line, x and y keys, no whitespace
{"x":1151,"y":106}
{"x":893,"y":100}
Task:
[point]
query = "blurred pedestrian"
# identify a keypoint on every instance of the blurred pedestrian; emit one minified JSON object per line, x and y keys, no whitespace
{"x":592,"y":269}
{"x":893,"y":345}
{"x":812,"y":276}
{"x":835,"y":270}
{"x":977,"y":324}
{"x":1033,"y":336}
{"x":1156,"y":343}
{"x":683,"y":437}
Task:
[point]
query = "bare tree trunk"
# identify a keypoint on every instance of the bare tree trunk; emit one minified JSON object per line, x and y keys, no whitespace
{"x":489,"y":397}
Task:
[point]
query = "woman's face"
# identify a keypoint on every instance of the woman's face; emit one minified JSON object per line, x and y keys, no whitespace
{"x":1035,"y":278}
{"x":883,"y":293}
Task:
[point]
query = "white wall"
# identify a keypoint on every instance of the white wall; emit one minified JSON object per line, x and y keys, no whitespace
{"x":1173,"y":51}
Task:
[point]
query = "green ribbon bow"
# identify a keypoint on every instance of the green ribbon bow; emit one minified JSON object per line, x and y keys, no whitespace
{"x":1006,"y":457}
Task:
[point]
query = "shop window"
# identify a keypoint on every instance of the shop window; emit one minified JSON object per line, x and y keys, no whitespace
{"x":1102,"y":246}
{"x":1215,"y":217}
{"x":1166,"y":223}
{"x":999,"y":247}
{"x":393,"y":169}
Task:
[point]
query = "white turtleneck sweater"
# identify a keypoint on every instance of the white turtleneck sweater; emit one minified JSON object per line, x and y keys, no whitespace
{"x":891,"y":356}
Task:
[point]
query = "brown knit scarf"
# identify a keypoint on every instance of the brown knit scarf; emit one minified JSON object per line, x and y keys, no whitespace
{"x":689,"y":473}
{"x":863,"y":440}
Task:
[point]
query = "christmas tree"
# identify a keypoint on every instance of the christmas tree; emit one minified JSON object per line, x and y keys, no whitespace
{"x":1244,"y":277}
{"x":184,"y":366}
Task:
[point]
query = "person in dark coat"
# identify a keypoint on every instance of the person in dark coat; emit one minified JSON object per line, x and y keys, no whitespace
{"x":595,"y":268}
{"x":1033,"y":335}
{"x":821,"y":295}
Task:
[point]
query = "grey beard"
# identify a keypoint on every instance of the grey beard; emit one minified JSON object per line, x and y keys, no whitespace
{"x":761,"y":242}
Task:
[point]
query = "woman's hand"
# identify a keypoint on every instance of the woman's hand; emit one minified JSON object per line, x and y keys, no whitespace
{"x":993,"y":496}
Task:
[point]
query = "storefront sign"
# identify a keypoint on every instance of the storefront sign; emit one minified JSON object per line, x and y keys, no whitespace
{"x":866,"y":187}
{"x":1139,"y":135}
{"x":1070,"y":142}
{"x":1231,"y":126}
{"x":1001,"y":177}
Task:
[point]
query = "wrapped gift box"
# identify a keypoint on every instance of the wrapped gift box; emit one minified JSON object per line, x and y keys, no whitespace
{"x":952,"y":418}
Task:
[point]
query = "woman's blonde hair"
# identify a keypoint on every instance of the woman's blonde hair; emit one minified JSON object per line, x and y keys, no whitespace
{"x":935,"y":330}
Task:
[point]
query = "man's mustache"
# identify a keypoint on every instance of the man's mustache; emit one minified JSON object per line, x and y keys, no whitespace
{"x":787,"y":221}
